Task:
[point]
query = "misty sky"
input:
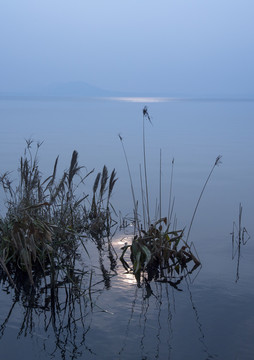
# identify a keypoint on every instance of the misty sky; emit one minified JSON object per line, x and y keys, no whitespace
{"x":174,"y":47}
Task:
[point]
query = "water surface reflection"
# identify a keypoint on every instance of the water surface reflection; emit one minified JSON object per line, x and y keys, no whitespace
{"x":212,"y":317}
{"x":115,"y":319}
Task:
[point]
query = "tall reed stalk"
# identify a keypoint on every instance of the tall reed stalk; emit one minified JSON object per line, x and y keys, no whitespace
{"x":142,"y":196}
{"x":160,"y":187}
{"x":146,"y":116}
{"x":170,"y":209}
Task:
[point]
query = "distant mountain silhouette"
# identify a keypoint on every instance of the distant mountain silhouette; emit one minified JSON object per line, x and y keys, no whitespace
{"x":68,"y":89}
{"x":83,"y":89}
{"x":76,"y":89}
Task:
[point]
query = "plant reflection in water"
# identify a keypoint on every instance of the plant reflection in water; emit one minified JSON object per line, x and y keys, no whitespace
{"x":152,"y":294}
{"x":63,"y":303}
{"x":64,"y":314}
{"x":155,"y":306}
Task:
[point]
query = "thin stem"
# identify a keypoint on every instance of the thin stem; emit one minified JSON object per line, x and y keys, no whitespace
{"x":217,"y":162}
{"x":142,"y":196}
{"x":240,"y":223}
{"x":160,"y":186}
{"x":170,"y":192}
{"x":135,"y":204}
{"x":129,"y":172}
{"x":145,"y":170}
{"x":146,"y":115}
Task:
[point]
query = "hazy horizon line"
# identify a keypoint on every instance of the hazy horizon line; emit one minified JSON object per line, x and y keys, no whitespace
{"x":131,"y":99}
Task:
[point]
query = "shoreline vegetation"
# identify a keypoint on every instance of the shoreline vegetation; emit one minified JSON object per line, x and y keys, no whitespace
{"x":48,"y":221}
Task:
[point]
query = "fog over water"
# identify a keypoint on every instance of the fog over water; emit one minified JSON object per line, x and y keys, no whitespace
{"x":193,"y":133}
{"x":170,"y":49}
{"x":75,"y":76}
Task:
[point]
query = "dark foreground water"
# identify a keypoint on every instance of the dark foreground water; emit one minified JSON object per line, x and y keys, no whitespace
{"x":209,"y":314}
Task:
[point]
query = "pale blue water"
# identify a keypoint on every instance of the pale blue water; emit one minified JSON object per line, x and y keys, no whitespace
{"x":212,"y":317}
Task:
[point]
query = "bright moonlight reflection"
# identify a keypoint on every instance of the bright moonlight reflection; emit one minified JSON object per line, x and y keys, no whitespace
{"x":124,"y":277}
{"x":143,"y":99}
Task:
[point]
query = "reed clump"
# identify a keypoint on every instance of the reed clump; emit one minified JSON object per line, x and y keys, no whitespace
{"x":47,"y":220}
{"x":162,"y":254}
{"x":158,"y":251}
{"x":99,"y":219}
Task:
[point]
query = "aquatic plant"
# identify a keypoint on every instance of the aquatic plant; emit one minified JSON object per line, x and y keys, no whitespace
{"x":98,"y":218}
{"x":239,"y":238}
{"x":46,"y":222}
{"x":153,"y":250}
{"x":146,"y":116}
{"x":162,"y":254}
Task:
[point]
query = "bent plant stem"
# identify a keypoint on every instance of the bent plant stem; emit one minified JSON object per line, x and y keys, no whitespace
{"x":131,"y":182}
{"x":217,"y":162}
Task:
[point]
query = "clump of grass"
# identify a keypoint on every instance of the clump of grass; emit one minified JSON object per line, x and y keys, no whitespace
{"x":46,"y":221}
{"x":160,"y":252}
{"x":157,"y":253}
{"x":99,"y":220}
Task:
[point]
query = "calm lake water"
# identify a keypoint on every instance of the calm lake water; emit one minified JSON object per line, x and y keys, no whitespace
{"x":210,"y":314}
